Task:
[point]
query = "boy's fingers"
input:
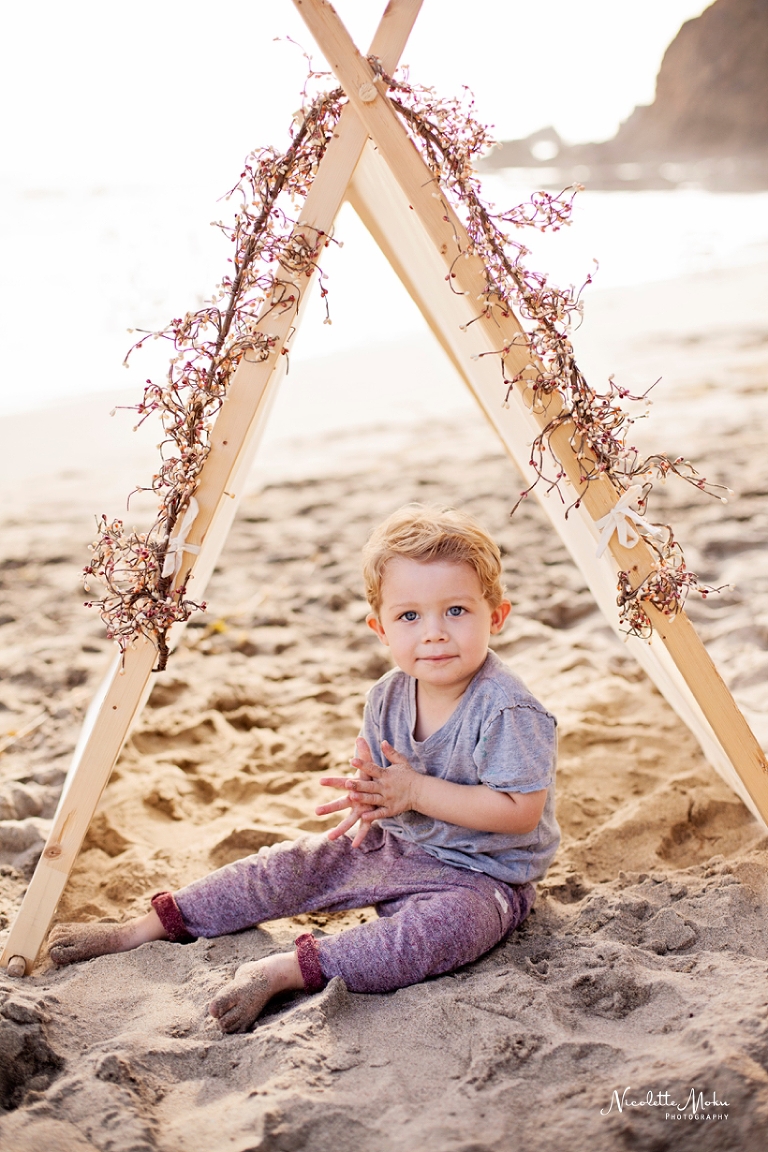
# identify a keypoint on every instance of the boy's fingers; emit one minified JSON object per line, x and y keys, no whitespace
{"x":345,"y":825}
{"x":365,"y":767}
{"x":349,"y":822}
{"x":373,"y":814}
{"x":361,"y":834}
{"x":334,"y":806}
{"x":358,"y":787}
{"x":337,"y":781}
{"x":392,"y":754}
{"x":354,"y":783}
{"x":363,"y":748}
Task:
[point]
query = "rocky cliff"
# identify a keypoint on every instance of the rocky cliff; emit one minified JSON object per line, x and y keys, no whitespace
{"x":711,"y":91}
{"x":708,"y":123}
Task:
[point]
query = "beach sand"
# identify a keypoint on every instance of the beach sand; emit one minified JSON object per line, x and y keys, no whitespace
{"x":644,"y":964}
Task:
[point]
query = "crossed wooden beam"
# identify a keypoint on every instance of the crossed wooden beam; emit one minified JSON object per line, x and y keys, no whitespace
{"x":373,"y":163}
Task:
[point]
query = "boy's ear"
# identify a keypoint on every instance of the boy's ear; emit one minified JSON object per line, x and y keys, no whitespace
{"x":375,"y":625}
{"x":499,"y":615}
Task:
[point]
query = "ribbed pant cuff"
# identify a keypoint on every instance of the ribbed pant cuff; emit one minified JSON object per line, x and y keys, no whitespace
{"x":171,"y":918}
{"x":309,"y":962}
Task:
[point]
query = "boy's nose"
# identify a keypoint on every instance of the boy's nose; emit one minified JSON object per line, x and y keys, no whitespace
{"x":434,"y":629}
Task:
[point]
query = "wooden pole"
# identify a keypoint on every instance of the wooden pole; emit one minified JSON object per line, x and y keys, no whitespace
{"x":703,"y":690}
{"x":234,"y":440}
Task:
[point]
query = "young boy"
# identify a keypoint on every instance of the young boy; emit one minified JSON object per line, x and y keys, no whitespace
{"x":453,"y":798}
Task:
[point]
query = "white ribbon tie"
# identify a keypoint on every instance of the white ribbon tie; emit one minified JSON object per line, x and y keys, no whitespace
{"x":177,"y":546}
{"x":622,"y":520}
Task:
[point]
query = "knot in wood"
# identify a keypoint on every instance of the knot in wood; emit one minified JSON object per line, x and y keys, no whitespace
{"x":367,"y":93}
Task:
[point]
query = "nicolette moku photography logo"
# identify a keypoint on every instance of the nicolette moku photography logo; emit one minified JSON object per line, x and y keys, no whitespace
{"x":696,"y":1105}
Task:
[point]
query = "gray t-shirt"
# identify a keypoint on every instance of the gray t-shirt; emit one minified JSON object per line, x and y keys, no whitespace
{"x":498,"y":735}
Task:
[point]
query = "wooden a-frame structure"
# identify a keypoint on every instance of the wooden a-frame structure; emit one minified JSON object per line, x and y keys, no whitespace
{"x":373,"y":164}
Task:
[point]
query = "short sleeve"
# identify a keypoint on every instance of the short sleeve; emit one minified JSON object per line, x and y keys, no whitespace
{"x":517,"y":749}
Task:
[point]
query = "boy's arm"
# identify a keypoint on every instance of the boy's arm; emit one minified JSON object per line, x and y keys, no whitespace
{"x":397,"y":788}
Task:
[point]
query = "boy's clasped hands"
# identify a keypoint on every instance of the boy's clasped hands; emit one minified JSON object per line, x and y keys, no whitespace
{"x":373,"y":793}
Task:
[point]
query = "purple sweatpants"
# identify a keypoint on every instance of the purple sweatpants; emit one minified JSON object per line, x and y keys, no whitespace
{"x":433,"y":917}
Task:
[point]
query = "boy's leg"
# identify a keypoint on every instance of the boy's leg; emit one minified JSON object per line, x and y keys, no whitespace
{"x":310,"y":874}
{"x":433,"y":919}
{"x":424,"y":934}
{"x":296,"y":876}
{"x":303,"y":876}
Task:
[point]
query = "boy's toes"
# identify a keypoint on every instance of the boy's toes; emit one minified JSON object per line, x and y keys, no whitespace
{"x":58,"y":953}
{"x":230,"y":1014}
{"x":61,"y":947}
{"x":223,"y":1004}
{"x":234,"y":1020}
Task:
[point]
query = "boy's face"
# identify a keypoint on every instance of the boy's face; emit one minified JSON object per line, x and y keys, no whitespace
{"x":436,"y":621}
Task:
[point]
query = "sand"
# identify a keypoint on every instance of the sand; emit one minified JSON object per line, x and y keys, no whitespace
{"x":644,"y":962}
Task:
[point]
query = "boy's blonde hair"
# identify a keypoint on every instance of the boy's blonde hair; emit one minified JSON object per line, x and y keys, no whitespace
{"x":422,"y":532}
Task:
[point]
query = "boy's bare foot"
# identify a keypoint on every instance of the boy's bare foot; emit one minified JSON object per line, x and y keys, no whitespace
{"x":239,"y":1003}
{"x":69,"y":943}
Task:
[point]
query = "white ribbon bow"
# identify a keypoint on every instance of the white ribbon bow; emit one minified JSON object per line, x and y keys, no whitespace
{"x":622,"y":520}
{"x":178,"y":545}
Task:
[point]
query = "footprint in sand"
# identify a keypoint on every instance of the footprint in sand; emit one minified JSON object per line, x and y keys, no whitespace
{"x":611,"y":993}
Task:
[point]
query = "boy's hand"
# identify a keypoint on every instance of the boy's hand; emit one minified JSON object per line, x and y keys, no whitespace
{"x":375,"y":791}
{"x":357,"y":805}
{"x":356,"y":814}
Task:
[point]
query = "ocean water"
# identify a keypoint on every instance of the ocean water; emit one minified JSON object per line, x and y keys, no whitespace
{"x":640,"y":237}
{"x":82,"y":265}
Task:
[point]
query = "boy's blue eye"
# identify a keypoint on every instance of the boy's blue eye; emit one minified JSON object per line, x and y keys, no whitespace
{"x":456,"y":610}
{"x":410,"y":615}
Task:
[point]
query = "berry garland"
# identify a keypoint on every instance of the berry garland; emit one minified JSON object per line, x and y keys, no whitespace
{"x":451,"y":139}
{"x":139,"y":600}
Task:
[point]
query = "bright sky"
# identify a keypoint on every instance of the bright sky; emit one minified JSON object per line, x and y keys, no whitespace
{"x":123,"y":123}
{"x":168,"y":89}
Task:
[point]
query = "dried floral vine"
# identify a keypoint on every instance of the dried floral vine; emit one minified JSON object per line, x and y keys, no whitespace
{"x":450,"y":139}
{"x":142,"y":597}
{"x":142,"y":594}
